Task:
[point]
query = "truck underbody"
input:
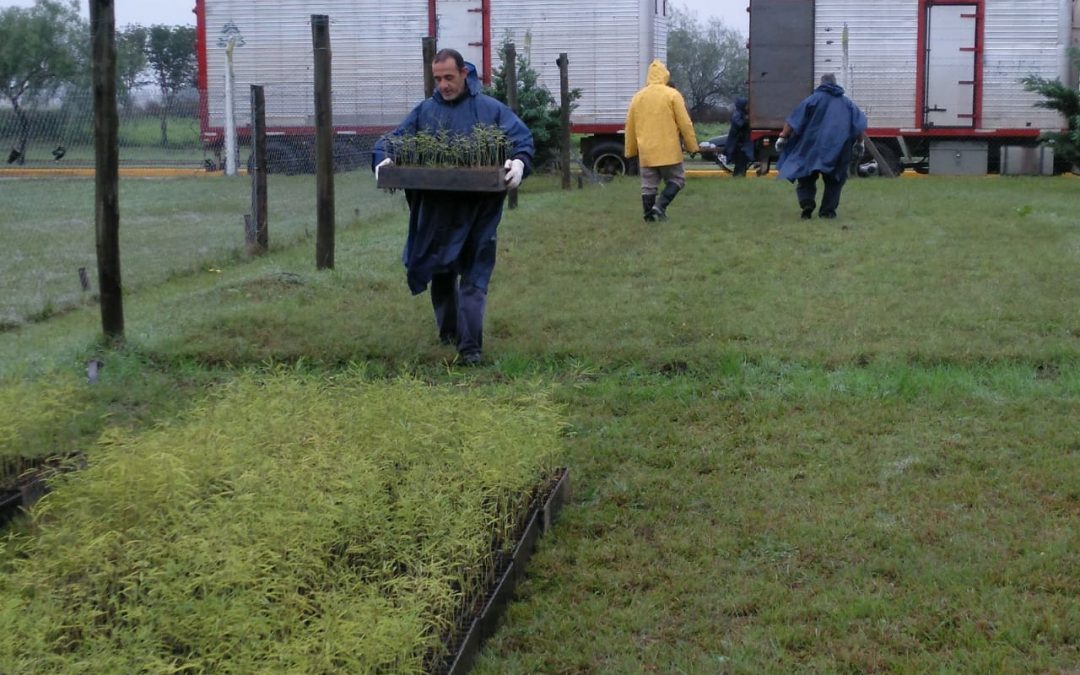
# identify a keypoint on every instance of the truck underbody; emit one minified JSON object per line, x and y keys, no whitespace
{"x":939,"y":80}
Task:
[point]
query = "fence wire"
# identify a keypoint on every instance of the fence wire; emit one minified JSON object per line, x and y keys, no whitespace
{"x":187,"y":132}
{"x":192,"y":220}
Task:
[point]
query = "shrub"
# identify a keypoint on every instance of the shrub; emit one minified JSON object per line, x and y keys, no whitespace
{"x":1066,"y":100}
{"x":537,"y":108}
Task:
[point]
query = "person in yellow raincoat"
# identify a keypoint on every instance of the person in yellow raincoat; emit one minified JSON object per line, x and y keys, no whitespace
{"x":655,"y":123}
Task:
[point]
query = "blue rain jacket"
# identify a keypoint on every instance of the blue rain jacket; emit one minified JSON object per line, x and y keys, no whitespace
{"x":455,"y":231}
{"x":824,"y":127}
{"x":738,"y":138}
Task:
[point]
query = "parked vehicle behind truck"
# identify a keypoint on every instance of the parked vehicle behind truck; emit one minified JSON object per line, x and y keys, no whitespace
{"x":378,"y":65}
{"x":939,"y":80}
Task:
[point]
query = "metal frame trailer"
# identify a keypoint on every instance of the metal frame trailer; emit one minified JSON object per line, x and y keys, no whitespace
{"x":378,"y":69}
{"x":927,"y":73}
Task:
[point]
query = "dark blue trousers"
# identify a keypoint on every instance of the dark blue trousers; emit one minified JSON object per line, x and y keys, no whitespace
{"x":806,"y":190}
{"x":459,"y":312}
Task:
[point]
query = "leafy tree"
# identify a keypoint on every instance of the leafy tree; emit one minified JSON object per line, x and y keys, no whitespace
{"x":1066,"y":100}
{"x":170,"y":50}
{"x":39,"y":53}
{"x":537,"y":107}
{"x":709,"y":63}
{"x":131,"y":61}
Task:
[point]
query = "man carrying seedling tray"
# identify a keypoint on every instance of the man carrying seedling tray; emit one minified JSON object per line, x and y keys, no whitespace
{"x":451,"y":241}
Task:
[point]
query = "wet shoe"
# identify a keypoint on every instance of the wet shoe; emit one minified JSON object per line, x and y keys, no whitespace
{"x":658,"y":214}
{"x":827,"y":214}
{"x":807,"y":214}
{"x":471,"y":359}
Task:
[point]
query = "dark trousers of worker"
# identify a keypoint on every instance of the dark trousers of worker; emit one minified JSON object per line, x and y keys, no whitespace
{"x":806,"y":190}
{"x":459,"y":312}
{"x":741,"y":164}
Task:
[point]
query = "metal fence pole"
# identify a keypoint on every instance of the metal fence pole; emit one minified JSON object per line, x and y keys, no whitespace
{"x":324,"y":144}
{"x":428,"y":45}
{"x":107,"y":168}
{"x":564,"y":138}
{"x":510,"y":73}
{"x":260,"y":241}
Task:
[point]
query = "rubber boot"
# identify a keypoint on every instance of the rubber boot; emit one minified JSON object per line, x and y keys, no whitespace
{"x":647,"y":203}
{"x":666,"y":197}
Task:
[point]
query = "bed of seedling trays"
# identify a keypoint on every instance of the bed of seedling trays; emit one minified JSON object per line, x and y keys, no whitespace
{"x":479,"y":624}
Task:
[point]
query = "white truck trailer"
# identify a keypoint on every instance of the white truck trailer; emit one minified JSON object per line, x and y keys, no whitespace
{"x":378,"y":69}
{"x":939,"y":80}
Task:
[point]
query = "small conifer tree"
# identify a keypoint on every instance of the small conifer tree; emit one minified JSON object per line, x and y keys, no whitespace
{"x":537,"y":107}
{"x":1066,"y":100}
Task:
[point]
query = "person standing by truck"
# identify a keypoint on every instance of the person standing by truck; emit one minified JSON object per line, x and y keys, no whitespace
{"x":739,"y":149}
{"x":817,"y":140}
{"x":655,"y":122}
{"x":451,"y":241}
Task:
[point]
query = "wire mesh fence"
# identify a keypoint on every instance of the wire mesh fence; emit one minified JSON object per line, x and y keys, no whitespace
{"x":187,"y":131}
{"x":58,"y":134}
{"x":192,"y":219}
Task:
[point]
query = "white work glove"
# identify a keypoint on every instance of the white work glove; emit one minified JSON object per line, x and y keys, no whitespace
{"x":515,"y":171}
{"x":385,"y":162}
{"x":780,"y":144}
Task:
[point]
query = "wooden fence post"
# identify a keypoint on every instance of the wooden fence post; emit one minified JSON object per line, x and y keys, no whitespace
{"x":510,"y":73}
{"x":107,"y":168}
{"x":259,"y":236}
{"x":324,"y":144}
{"x":564,"y":139}
{"x":428,"y":45}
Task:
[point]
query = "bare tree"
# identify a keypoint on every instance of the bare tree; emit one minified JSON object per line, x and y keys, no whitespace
{"x":708,"y":62}
{"x":171,"y":53}
{"x":39,"y":53}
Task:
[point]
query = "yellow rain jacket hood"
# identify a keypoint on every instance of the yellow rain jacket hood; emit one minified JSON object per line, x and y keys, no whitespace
{"x":656,"y":120}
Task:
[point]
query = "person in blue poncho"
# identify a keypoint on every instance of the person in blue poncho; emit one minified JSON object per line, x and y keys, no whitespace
{"x":739,"y":149}
{"x":451,"y":241}
{"x":818,"y":139}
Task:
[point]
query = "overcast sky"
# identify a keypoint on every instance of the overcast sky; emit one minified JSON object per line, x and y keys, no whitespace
{"x":173,"y":12}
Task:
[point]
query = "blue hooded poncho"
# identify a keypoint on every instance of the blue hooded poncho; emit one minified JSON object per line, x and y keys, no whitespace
{"x":824,"y":127}
{"x":455,"y":231}
{"x":738,"y":138}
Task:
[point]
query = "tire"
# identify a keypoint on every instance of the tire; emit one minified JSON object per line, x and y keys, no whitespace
{"x":606,"y":159}
{"x":347,"y":155}
{"x":281,"y":158}
{"x":868,"y":166}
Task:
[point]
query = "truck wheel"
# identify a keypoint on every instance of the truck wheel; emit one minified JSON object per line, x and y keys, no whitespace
{"x":347,"y":155}
{"x":606,"y":159}
{"x":281,"y":158}
{"x":868,"y":166}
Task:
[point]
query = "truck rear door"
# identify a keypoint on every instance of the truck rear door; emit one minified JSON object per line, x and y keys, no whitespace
{"x":781,"y":59}
{"x":459,"y":24}
{"x":951,"y":32}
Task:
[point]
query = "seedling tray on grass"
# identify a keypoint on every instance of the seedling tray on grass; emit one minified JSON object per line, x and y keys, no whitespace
{"x":509,"y":570}
{"x":16,"y":500}
{"x":460,"y":179}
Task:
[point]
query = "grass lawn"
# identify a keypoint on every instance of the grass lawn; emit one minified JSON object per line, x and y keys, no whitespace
{"x":829,"y":446}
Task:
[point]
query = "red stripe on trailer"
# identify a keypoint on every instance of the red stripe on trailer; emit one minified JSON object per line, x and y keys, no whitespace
{"x":597,"y":128}
{"x":432,"y":19}
{"x":200,"y":55}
